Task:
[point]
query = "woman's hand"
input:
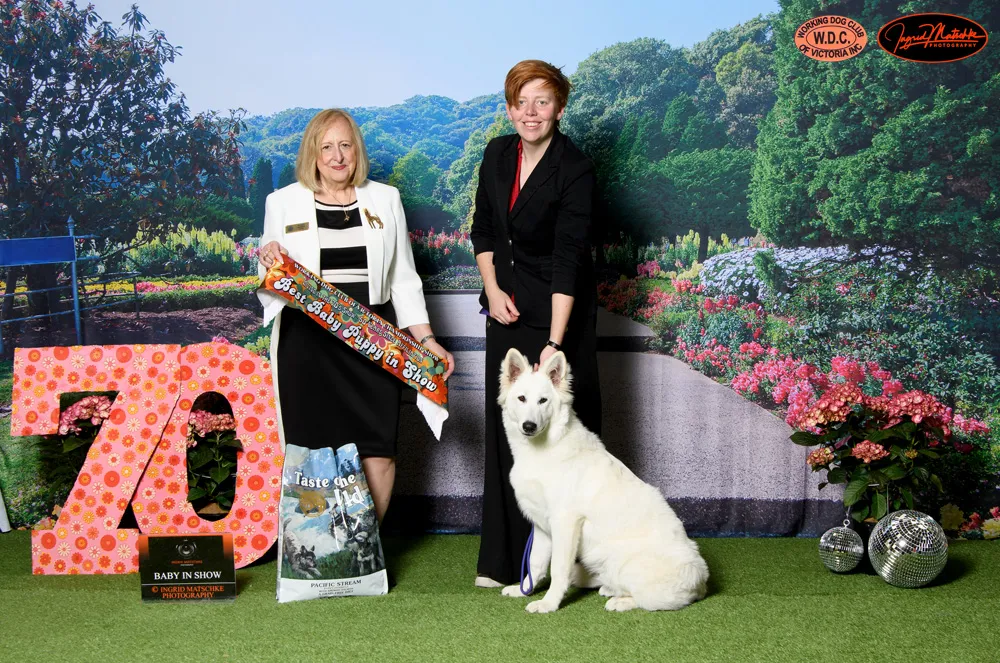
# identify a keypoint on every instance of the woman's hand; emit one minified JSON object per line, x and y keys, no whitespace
{"x":439,"y":350}
{"x":547,"y":352}
{"x":502,"y":307}
{"x":269,"y":253}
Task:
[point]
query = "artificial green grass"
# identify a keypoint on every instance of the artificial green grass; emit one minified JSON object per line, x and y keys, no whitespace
{"x":770,"y":600}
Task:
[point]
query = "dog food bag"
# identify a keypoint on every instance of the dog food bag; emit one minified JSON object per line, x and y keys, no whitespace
{"x":329,"y":543}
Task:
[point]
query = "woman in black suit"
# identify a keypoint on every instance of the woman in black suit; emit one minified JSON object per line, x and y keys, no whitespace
{"x":531,"y":232}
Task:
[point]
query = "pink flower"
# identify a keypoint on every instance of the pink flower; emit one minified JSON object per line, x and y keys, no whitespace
{"x":868,"y":451}
{"x":201,"y":423}
{"x":93,"y":408}
{"x":820,"y":457}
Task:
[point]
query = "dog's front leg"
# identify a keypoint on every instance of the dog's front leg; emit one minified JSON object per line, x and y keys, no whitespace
{"x":538,"y":562}
{"x":565,"y":545}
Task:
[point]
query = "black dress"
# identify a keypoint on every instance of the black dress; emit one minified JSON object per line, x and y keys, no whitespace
{"x":330,"y":394}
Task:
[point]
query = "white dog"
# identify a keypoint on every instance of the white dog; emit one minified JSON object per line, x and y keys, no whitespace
{"x":586,"y":505}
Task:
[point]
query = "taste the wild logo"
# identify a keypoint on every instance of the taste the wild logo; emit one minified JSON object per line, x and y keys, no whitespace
{"x":830,"y":38}
{"x":932,"y":37}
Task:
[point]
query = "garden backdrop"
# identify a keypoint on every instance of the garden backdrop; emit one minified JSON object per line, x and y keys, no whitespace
{"x":770,"y":228}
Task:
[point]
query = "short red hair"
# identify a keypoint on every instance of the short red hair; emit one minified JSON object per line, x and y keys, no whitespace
{"x":526,"y":71}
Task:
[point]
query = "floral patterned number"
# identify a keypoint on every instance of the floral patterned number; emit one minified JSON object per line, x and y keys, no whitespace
{"x":150,"y":381}
{"x":86,"y":538}
{"x":160,"y":502}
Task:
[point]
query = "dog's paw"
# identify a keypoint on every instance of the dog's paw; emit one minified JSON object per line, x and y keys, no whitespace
{"x":541,"y":606}
{"x":607,"y":591}
{"x":620,"y":604}
{"x":513,"y":591}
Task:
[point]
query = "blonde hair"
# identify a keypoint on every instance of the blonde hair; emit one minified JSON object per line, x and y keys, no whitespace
{"x":305,"y":164}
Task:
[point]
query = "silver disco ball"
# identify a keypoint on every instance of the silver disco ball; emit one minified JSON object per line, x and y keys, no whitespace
{"x":841,"y":549}
{"x":908,"y":548}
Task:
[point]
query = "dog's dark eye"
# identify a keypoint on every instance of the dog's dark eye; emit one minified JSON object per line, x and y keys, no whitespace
{"x":542,"y":400}
{"x":521,"y":398}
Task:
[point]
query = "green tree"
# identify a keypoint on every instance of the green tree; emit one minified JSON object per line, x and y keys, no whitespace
{"x":706,"y":55}
{"x":706,"y":191}
{"x":261,"y":186}
{"x":747,"y":78}
{"x":415,"y":175}
{"x":459,"y":184}
{"x":875,"y":150}
{"x":90,"y":126}
{"x":624,"y":80}
{"x":287,"y":175}
{"x":702,"y":133}
{"x":679,"y":112}
{"x":204,"y":214}
{"x":233,"y":205}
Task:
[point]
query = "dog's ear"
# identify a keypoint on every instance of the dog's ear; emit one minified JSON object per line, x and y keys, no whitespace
{"x":555,"y":369}
{"x":513,"y":366}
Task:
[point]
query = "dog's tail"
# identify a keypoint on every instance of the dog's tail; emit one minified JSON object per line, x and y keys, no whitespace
{"x":682,"y":582}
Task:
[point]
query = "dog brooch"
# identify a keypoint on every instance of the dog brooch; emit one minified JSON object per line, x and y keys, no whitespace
{"x":373,"y":219}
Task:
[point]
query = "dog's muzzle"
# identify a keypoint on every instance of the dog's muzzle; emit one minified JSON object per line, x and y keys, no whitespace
{"x":529,"y":428}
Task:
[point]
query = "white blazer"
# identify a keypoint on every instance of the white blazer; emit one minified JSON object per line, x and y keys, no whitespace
{"x":391,"y":272}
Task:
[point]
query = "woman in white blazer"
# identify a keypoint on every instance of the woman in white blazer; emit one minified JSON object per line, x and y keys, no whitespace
{"x":352,"y":232}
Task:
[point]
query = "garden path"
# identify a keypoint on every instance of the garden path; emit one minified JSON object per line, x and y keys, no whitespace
{"x":725,"y":463}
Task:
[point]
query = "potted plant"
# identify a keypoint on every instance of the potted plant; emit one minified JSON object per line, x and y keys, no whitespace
{"x":883,"y":448}
{"x":211,"y":462}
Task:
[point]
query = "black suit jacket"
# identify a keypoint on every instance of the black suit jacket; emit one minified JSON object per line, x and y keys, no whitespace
{"x":542,"y":245}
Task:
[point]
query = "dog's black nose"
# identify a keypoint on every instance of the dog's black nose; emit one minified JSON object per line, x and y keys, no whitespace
{"x":529,"y":427}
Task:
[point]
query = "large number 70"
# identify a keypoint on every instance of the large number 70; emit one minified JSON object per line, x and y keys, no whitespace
{"x":139,"y":455}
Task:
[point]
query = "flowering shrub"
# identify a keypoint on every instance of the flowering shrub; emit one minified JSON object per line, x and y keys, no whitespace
{"x":89,"y":409}
{"x":163,"y":285}
{"x":622,"y":297}
{"x":882,"y":447}
{"x":433,"y":252}
{"x":736,"y":272}
{"x":650,"y":269}
{"x":713,"y":358}
{"x":975,"y":527}
{"x":659,"y":301}
{"x":211,"y":458}
{"x":62,"y":455}
{"x":191,"y":250}
{"x":657,"y":260}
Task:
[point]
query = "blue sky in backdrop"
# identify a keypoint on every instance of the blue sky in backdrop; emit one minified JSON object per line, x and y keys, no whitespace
{"x":267,"y":56}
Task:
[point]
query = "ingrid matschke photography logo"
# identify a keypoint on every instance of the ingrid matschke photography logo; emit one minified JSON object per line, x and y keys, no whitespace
{"x":830,"y":38}
{"x":932,"y":38}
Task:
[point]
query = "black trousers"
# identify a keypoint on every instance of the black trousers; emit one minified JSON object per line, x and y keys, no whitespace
{"x":504,"y":529}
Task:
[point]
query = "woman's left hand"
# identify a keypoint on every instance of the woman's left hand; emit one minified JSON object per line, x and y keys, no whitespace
{"x":439,"y":350}
{"x":547,"y":352}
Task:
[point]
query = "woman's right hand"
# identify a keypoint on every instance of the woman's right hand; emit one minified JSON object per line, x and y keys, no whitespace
{"x":269,"y":253}
{"x":502,"y":307}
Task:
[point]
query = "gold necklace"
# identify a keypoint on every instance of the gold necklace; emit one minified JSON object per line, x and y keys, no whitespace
{"x":347,"y":215}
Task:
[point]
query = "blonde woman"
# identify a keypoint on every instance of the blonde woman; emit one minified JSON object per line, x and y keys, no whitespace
{"x":352,"y":232}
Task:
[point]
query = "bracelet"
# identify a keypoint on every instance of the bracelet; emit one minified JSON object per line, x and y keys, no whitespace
{"x":427,"y":338}
{"x":553,"y":344}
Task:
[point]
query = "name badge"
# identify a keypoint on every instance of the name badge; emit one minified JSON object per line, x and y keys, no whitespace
{"x":297,"y":227}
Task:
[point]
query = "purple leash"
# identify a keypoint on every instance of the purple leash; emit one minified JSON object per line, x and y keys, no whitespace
{"x":526,"y":565}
